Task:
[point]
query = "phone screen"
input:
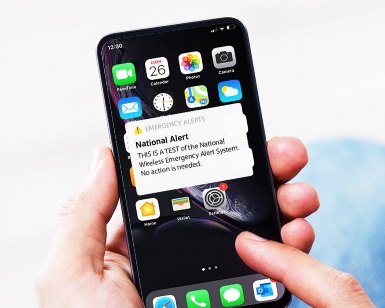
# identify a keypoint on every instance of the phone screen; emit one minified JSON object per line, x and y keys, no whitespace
{"x":190,"y":150}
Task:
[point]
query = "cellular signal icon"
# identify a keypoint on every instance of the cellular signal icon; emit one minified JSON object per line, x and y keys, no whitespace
{"x":214,"y":30}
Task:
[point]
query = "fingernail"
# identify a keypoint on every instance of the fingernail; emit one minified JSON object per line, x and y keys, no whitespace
{"x":95,"y":161}
{"x":251,"y":236}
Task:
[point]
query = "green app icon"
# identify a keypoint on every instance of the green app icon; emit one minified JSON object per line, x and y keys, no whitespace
{"x":232,"y":295}
{"x":124,"y":74}
{"x":198,"y":299}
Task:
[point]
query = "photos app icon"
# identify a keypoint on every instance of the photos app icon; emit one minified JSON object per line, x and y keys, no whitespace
{"x":190,"y":62}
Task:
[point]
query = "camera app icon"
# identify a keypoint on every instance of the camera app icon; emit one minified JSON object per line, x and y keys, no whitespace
{"x":223,"y":57}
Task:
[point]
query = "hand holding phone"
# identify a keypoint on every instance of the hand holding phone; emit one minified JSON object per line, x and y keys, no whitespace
{"x":82,"y":268}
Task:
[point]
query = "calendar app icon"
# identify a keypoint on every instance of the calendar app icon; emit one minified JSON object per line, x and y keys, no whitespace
{"x":157,"y":68}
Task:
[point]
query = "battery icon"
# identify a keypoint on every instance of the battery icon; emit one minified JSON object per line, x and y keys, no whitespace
{"x":230,"y":27}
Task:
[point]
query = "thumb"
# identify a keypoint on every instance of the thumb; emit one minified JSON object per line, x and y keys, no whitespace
{"x":79,"y":239}
{"x":307,"y":278}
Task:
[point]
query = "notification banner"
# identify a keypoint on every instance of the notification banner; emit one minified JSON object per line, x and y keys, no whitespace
{"x":189,"y":149}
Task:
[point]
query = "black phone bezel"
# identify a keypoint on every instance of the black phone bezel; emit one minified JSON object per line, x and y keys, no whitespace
{"x":285,"y":300}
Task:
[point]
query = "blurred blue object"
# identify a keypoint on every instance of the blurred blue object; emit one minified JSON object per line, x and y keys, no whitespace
{"x":349,"y":176}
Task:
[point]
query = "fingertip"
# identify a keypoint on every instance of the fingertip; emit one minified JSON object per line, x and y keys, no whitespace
{"x":288,"y":155}
{"x":297,"y":200}
{"x":299,"y":234}
{"x":246,"y":242}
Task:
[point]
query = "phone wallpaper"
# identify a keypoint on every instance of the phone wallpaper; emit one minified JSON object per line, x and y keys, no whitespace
{"x":178,"y":240}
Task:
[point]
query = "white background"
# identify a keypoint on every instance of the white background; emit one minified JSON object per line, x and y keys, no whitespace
{"x":320,"y":70}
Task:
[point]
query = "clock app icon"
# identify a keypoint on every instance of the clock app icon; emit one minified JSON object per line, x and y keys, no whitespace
{"x":163,"y":102}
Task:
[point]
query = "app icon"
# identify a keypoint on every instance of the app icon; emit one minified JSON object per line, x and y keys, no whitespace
{"x":229,"y":91}
{"x":223,"y":57}
{"x":157,"y":68}
{"x":265,"y":289}
{"x":130,"y":107}
{"x":214,"y":198}
{"x":163,"y":102}
{"x":132,"y":177}
{"x":179,"y":204}
{"x":198,"y":299}
{"x":167,"y":301}
{"x":196,"y":96}
{"x":232,"y":295}
{"x":147,"y":209}
{"x":124,"y":74}
{"x":190,"y":62}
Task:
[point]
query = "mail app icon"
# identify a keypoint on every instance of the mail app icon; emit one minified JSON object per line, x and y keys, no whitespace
{"x":130,"y":107}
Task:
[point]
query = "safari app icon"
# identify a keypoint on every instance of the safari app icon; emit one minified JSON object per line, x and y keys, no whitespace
{"x":124,"y":74}
{"x":167,"y":301}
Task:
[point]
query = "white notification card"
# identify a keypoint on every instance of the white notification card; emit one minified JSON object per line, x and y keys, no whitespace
{"x":188,"y":149}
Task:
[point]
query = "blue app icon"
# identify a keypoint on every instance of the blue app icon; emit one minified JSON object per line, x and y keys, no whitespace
{"x":265,"y":289}
{"x":130,"y":107}
{"x":229,"y":91}
{"x":164,"y":301}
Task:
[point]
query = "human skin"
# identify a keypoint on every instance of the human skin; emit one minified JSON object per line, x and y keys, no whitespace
{"x":85,"y":267}
{"x":312,"y":281}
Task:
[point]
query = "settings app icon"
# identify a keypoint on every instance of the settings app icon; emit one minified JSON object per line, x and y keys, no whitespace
{"x":214,"y":198}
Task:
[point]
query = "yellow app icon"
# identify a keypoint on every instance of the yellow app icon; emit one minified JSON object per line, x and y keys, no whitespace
{"x":132,"y":177}
{"x":147,"y":209}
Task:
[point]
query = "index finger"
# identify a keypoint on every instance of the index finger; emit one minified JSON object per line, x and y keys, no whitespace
{"x":310,"y":280}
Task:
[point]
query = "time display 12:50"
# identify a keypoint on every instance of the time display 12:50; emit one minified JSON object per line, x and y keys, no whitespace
{"x":115,"y":46}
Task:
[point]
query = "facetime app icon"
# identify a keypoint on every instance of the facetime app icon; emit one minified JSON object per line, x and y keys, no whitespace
{"x":124,"y":74}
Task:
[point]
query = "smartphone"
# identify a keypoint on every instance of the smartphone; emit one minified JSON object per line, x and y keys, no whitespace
{"x":191,"y":158}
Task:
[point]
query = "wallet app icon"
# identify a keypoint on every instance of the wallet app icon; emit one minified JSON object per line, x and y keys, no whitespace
{"x":130,"y":107}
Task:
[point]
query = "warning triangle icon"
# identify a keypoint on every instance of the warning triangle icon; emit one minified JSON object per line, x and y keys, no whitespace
{"x":138,"y":131}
